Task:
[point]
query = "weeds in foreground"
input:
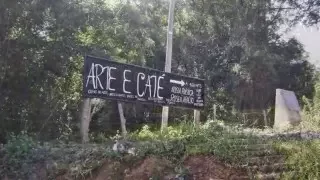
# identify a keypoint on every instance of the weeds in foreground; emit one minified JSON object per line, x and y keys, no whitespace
{"x":184,"y":139}
{"x":177,"y":142}
{"x":311,"y":113}
{"x":174,"y":144}
{"x":303,"y":159}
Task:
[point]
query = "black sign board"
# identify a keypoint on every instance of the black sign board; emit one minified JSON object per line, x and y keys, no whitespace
{"x":108,"y":79}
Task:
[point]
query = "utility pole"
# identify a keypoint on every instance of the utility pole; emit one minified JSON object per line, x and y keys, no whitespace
{"x":165,"y":109}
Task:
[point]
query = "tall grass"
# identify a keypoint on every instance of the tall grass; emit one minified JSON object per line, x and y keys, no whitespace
{"x":184,"y":139}
{"x":303,"y":159}
{"x":311,"y":111}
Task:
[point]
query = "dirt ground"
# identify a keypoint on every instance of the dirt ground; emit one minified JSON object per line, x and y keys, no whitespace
{"x":199,"y":168}
{"x":209,"y":168}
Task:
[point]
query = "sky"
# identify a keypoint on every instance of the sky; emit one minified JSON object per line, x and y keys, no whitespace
{"x":310,"y":38}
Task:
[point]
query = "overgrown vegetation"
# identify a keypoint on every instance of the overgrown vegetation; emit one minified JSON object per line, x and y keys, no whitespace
{"x":24,"y":158}
{"x":311,"y":113}
{"x":184,"y":139}
{"x":79,"y":160}
{"x":303,"y":159}
{"x":227,"y":143}
{"x":236,"y":46}
{"x":303,"y":156}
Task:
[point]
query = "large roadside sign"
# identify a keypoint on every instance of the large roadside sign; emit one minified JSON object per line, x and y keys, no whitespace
{"x":107,"y":79}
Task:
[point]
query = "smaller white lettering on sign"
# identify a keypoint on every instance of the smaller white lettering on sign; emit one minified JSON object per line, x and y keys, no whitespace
{"x":186,"y":91}
{"x":176,"y":90}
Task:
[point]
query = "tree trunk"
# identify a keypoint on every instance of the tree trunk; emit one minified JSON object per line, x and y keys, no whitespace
{"x":214,"y":112}
{"x":122,"y":119}
{"x":196,"y":117}
{"x":85,"y":120}
{"x":265,"y":117}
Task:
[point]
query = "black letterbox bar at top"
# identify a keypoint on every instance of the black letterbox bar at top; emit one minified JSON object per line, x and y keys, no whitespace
{"x":108,"y":79}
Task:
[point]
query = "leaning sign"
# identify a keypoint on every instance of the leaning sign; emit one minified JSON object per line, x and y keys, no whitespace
{"x":108,"y":79}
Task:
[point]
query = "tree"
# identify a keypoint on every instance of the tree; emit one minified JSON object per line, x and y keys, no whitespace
{"x":234,"y":46}
{"x":305,"y":11}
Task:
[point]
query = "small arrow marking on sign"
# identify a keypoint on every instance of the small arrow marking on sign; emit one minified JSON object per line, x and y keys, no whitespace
{"x":181,"y":82}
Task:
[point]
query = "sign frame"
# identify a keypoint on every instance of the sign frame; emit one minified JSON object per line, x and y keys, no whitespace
{"x":108,"y":59}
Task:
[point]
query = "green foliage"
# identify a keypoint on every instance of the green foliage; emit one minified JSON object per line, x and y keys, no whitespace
{"x":234,"y":46}
{"x":171,"y":133}
{"x":100,"y":138}
{"x":303,"y":159}
{"x":181,"y":171}
{"x":17,"y":153}
{"x":168,"y":149}
{"x":43,"y":44}
{"x":19,"y":146}
{"x":22,"y":160}
{"x":311,"y":114}
{"x":182,"y":140}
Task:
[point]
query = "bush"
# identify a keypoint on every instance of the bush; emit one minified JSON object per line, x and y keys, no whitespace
{"x":169,"y":149}
{"x":19,"y":146}
{"x":182,"y":140}
{"x":17,"y":153}
{"x":303,"y":159}
{"x":311,"y":113}
{"x":180,"y":131}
